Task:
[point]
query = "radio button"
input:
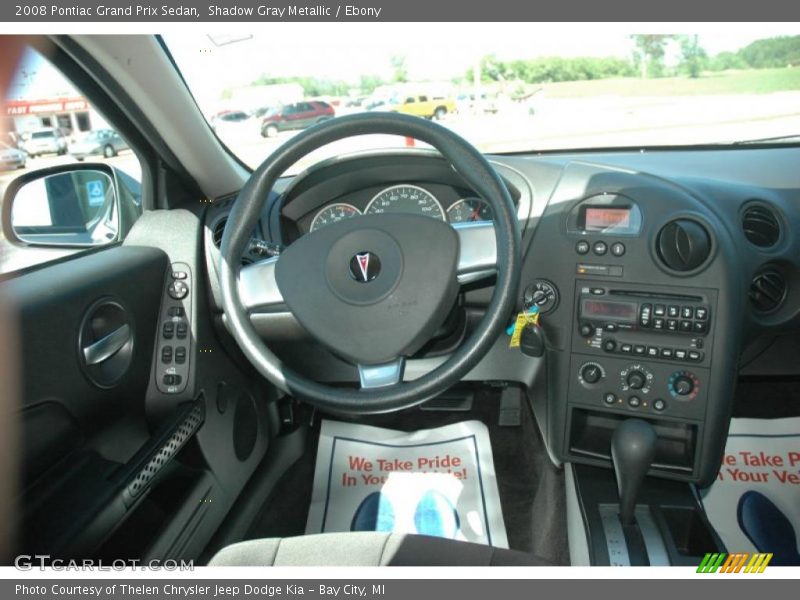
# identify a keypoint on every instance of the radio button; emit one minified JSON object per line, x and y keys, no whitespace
{"x":680,"y":354}
{"x":701,"y":313}
{"x":695,"y":355}
{"x":586,"y":330}
{"x":617,"y":248}
{"x":666,"y":353}
{"x":599,"y":248}
{"x":582,"y":247}
{"x":652,"y":351}
{"x":672,"y":325}
{"x":625,"y":348}
{"x":658,"y":323}
{"x":598,"y":291}
{"x":659,"y":310}
{"x":610,"y":327}
{"x":673,"y":311}
{"x":609,"y":345}
{"x":687,"y":312}
{"x":645,"y":314}
{"x":638,"y":349}
{"x":686,"y":326}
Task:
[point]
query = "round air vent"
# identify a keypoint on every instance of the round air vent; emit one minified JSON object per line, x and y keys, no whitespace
{"x":219,"y":229}
{"x":683,"y":244}
{"x":767,"y":290}
{"x":760,"y":225}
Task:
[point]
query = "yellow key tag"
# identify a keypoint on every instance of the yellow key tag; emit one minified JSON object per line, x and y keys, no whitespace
{"x":523,"y":319}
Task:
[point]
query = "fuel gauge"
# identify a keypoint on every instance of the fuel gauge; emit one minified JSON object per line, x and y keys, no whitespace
{"x":470,"y":209}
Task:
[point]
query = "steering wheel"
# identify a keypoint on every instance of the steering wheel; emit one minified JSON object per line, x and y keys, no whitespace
{"x":373,"y":289}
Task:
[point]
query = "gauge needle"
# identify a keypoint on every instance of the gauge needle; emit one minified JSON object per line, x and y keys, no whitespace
{"x":475,"y":215}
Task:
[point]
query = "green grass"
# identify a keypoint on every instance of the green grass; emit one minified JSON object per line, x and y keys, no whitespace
{"x":761,"y":81}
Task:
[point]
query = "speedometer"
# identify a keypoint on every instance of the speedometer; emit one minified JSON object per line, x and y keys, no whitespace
{"x":333,"y":213}
{"x":405,"y":199}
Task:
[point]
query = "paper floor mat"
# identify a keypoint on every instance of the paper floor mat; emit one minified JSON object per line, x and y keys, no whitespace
{"x":435,"y":482}
{"x":755,"y":502}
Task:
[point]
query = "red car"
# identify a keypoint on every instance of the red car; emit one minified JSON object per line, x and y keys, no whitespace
{"x":295,"y":116}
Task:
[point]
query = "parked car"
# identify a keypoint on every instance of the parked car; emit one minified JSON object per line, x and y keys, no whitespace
{"x":11,"y":158}
{"x":296,"y":116}
{"x":102,"y":142}
{"x":426,"y":106}
{"x":48,"y":140}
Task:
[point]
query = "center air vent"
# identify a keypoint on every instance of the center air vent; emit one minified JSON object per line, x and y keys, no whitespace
{"x":760,"y":226}
{"x":219,"y":229}
{"x":683,"y":245}
{"x":767,"y":290}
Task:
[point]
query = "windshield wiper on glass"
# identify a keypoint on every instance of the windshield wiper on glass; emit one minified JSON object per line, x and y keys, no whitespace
{"x":795,"y":137}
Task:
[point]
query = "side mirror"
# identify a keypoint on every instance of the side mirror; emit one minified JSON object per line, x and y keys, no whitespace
{"x":68,"y":205}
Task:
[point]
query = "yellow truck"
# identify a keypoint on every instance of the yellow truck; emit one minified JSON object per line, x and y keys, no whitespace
{"x":427,"y":106}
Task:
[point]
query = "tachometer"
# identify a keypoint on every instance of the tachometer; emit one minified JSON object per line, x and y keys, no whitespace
{"x":405,"y":199}
{"x":470,"y":209}
{"x":333,"y":213}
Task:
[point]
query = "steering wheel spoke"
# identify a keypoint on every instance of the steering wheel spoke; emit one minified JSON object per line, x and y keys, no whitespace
{"x":477,"y":256}
{"x":258,"y":288}
{"x":382,"y":375}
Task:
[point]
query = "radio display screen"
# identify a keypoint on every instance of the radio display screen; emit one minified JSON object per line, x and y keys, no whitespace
{"x":602,"y":218}
{"x":624,"y":311}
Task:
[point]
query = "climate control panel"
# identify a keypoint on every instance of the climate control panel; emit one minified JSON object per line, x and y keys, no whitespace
{"x":638,"y":387}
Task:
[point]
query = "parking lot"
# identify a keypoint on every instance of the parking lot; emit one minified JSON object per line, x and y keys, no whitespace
{"x":596,"y":122}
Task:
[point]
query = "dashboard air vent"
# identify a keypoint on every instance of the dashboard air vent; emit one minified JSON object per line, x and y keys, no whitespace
{"x":219,"y":229}
{"x":767,"y":290}
{"x":760,"y":226}
{"x":683,"y":244}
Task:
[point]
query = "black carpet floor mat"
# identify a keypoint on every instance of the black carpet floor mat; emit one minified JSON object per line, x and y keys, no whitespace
{"x":531,"y":489}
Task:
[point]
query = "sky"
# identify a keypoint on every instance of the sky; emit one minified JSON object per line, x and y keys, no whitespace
{"x":433,"y":51}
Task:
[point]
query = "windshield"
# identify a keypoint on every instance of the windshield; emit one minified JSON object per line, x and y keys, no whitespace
{"x":43,"y":134}
{"x":504,"y":87}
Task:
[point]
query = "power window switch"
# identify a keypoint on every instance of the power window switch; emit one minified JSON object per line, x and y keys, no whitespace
{"x":182,"y":329}
{"x":166,"y":354}
{"x":168,"y":330}
{"x":180,"y":355}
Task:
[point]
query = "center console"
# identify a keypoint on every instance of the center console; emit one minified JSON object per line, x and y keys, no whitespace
{"x":640,"y":304}
{"x":644,"y":351}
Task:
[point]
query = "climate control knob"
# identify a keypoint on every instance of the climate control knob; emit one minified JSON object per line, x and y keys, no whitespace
{"x":636,"y":377}
{"x":636,"y":380}
{"x":683,"y":385}
{"x":591,"y":373}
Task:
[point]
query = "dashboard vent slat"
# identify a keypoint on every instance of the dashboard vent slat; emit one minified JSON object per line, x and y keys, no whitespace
{"x":761,"y":226}
{"x":767,"y":290}
{"x":219,"y":229}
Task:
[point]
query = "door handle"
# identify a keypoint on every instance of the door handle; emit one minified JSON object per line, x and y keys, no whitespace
{"x":108,"y":346}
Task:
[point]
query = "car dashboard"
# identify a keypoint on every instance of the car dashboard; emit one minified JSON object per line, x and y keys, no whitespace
{"x":657,"y":275}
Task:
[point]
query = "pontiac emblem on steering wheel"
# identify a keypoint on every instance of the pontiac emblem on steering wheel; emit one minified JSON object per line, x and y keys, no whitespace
{"x":365,"y":266}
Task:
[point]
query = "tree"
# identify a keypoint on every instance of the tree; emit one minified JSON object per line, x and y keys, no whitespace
{"x":400,"y":72}
{"x":650,"y":49}
{"x":693,"y":56}
{"x":368,"y":83}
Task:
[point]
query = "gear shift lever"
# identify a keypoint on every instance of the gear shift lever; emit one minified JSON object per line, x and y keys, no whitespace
{"x":633,"y":446}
